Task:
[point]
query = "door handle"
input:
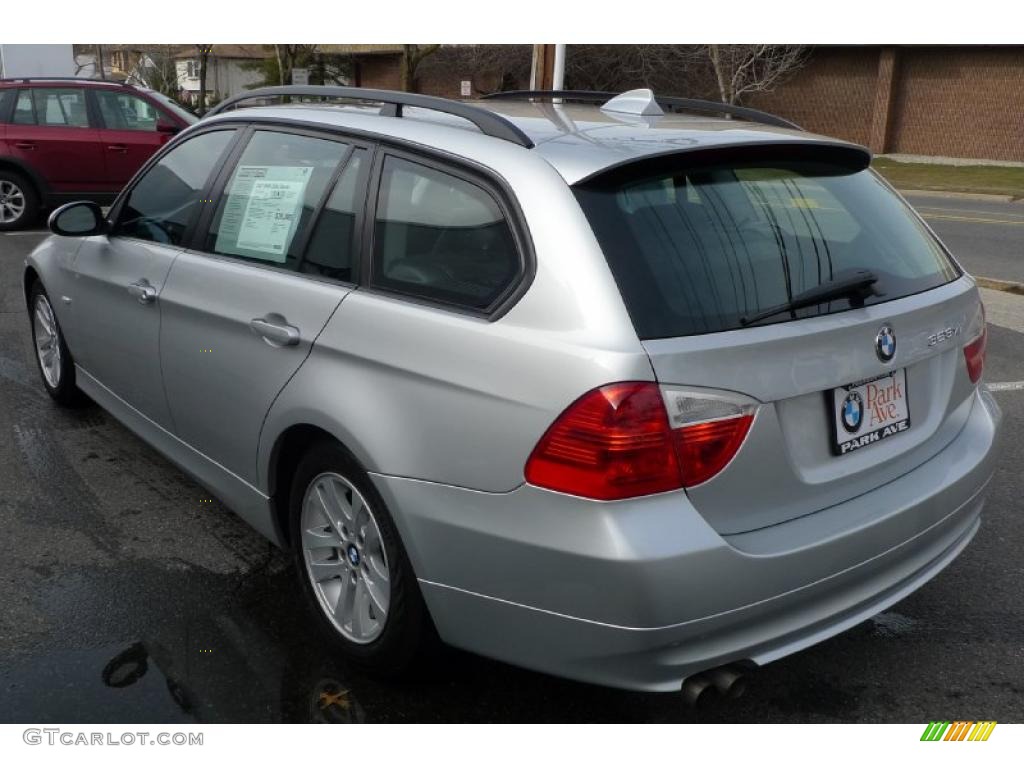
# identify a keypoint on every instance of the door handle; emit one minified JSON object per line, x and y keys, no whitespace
{"x":25,"y":145}
{"x":275,"y":330}
{"x":142,"y":291}
{"x":120,"y":148}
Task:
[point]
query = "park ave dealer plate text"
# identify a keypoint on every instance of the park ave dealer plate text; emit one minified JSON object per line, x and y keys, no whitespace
{"x":869,"y":411}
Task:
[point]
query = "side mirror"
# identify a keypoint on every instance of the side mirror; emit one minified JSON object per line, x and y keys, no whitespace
{"x":81,"y":219}
{"x":166,"y":126}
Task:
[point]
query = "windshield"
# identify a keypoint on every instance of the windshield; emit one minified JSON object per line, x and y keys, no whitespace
{"x":174,"y":106}
{"x":698,"y":249}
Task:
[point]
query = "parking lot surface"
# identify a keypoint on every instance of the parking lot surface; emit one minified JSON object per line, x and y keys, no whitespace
{"x":128,"y":595}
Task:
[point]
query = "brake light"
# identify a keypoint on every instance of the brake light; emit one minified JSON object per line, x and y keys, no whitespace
{"x":633,"y":439}
{"x":974,"y":352}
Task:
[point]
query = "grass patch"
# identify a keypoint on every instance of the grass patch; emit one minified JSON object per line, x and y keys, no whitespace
{"x":979,"y":179}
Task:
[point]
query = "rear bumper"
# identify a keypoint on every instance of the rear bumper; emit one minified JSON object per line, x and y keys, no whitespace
{"x":642,"y":594}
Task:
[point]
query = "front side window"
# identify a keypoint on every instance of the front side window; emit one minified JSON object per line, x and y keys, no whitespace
{"x":57,"y":107}
{"x":271,"y":195}
{"x":440,"y":237}
{"x":704,"y":249}
{"x":160,"y":207}
{"x":174,"y":107}
{"x":7,"y":96}
{"x":124,"y":112}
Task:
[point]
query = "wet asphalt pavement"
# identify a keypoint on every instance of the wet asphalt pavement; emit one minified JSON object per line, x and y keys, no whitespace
{"x":126,"y":595}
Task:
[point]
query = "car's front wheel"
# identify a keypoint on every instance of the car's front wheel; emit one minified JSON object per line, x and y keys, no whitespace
{"x":352,"y":566}
{"x":52,"y":355}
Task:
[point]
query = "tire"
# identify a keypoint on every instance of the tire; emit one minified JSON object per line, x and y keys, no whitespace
{"x":402,"y":635}
{"x":48,"y":342}
{"x":19,"y":202}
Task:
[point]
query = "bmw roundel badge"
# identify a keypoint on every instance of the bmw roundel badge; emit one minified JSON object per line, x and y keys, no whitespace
{"x":885,"y":343}
{"x":852,"y":412}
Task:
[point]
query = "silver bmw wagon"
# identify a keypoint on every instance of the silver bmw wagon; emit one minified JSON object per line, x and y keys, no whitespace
{"x":638,"y":391}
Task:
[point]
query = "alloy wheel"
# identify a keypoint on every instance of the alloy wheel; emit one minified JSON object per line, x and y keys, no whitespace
{"x":12,"y":202}
{"x":345,"y":558}
{"x":46,"y":335}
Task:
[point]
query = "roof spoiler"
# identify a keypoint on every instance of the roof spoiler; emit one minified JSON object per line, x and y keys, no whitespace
{"x":851,"y":157}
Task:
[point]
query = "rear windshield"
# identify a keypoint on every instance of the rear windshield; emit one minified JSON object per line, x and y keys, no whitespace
{"x":696,"y":250}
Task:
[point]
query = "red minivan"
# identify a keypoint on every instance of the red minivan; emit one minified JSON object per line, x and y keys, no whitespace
{"x":73,"y":139}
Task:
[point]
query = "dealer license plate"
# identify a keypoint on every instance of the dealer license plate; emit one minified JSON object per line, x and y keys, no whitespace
{"x":869,"y":411}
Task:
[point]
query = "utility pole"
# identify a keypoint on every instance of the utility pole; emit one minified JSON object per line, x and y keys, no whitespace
{"x":548,"y":70}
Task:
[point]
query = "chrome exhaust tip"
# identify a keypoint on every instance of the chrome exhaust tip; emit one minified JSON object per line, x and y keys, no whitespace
{"x":698,"y":691}
{"x":703,"y":688}
{"x":728,"y":681}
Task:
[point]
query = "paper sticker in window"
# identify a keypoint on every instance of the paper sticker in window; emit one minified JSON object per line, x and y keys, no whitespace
{"x":262,"y":211}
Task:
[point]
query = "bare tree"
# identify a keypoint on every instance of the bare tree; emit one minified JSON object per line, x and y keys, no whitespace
{"x":412,"y":57}
{"x":497,"y":67}
{"x":678,"y":70}
{"x":153,"y":66}
{"x":744,"y":69}
{"x":204,"y":57}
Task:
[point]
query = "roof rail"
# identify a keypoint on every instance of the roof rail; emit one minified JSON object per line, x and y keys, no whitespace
{"x":672,"y":102}
{"x":61,"y":79}
{"x":489,"y":123}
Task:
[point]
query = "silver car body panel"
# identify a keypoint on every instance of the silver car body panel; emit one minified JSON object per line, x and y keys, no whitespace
{"x":640,"y":594}
{"x":220,"y":376}
{"x":117,"y":334}
{"x":443,"y":409}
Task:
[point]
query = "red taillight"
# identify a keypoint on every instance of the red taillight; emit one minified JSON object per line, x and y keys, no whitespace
{"x":704,"y":449}
{"x":616,"y":442}
{"x":974,"y":354}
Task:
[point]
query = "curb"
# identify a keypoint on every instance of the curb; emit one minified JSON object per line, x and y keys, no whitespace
{"x":963,"y":195}
{"x":1006,"y":286}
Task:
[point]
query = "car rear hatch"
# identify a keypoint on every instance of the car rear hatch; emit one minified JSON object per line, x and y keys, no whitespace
{"x":711,"y":256}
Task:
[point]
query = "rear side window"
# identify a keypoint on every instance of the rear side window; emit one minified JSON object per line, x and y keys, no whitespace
{"x":161,"y":205}
{"x":440,"y":237}
{"x":331,"y":248}
{"x":57,"y":107}
{"x":697,"y":250}
{"x":271,"y":195}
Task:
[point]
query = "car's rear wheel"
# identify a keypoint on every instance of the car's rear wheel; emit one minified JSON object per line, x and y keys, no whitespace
{"x":52,"y":356}
{"x":352,"y":566}
{"x":19,"y":204}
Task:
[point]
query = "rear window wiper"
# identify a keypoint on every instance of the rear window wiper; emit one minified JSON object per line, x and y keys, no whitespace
{"x":854,"y":284}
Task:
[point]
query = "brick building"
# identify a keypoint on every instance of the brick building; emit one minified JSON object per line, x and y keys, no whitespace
{"x":953,"y":101}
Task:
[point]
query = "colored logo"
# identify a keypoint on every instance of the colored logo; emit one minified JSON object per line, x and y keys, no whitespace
{"x":960,"y":730}
{"x":885,"y":343}
{"x":852,"y":412}
{"x":353,"y":555}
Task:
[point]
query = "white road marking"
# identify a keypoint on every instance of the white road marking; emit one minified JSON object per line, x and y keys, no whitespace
{"x":1005,"y":386}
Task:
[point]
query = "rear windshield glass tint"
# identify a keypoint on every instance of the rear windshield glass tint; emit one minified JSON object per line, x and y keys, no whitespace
{"x":697,"y":250}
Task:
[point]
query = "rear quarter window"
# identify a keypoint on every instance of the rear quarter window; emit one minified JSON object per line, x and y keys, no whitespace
{"x":697,"y":250}
{"x":441,"y":237}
